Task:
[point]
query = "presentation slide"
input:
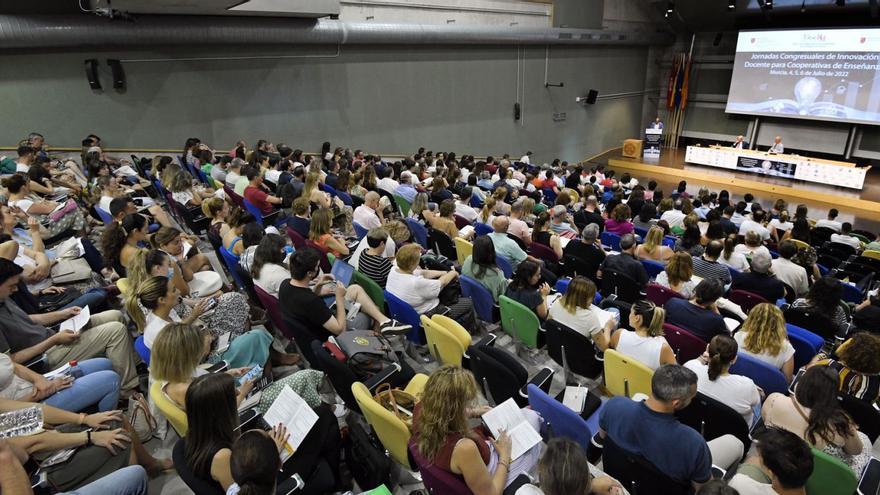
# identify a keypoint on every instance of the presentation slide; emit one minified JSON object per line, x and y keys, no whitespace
{"x":819,"y":74}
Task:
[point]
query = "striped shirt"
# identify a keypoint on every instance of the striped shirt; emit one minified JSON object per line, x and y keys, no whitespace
{"x":858,"y":385}
{"x":706,"y":269}
{"x":375,"y":267}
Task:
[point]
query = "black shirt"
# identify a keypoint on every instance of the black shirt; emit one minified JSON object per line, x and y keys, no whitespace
{"x":767,"y":286}
{"x":301,"y":304}
{"x":627,"y":265}
{"x":299,"y":225}
{"x":573,"y":181}
{"x":589,"y":257}
{"x":729,"y":226}
{"x":583,"y":218}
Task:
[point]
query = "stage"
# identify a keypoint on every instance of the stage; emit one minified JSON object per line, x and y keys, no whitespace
{"x":860,"y":207}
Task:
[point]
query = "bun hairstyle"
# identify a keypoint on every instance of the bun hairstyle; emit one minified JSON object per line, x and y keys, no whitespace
{"x":255,"y":463}
{"x":722,"y":352}
{"x":163,"y":236}
{"x":652,"y":316}
{"x":15,"y":182}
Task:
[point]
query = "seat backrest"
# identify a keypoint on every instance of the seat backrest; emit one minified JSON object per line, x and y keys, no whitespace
{"x":626,"y":376}
{"x":303,"y":336}
{"x":341,"y":377}
{"x":141,"y":348}
{"x":851,"y":294}
{"x":658,"y":294}
{"x":865,"y":415}
{"x":745,"y":299}
{"x":253,"y":210}
{"x":561,"y":421}
{"x":713,"y":419}
{"x":437,"y":480}
{"x":653,"y":268}
{"x":370,"y":287}
{"x":193,"y":482}
{"x":830,"y":476}
{"x":519,"y":321}
{"x":637,"y":474}
{"x":296,"y":239}
{"x":273,"y":310}
{"x":764,"y":375}
{"x":504,"y":264}
{"x":442,"y":244}
{"x":392,"y":432}
{"x":359,"y":230}
{"x":806,"y":344}
{"x":481,"y":297}
{"x":812,"y":320}
{"x":175,"y":415}
{"x":454,"y":328}
{"x":463,"y":249}
{"x":576,"y":265}
{"x":626,"y":289}
{"x":444,"y":346}
{"x":543,"y":252}
{"x":610,"y":239}
{"x":326,"y":266}
{"x":231,"y":261}
{"x":579,"y":352}
{"x":501,"y":372}
{"x":460,"y":221}
{"x":403,"y":312}
{"x":403,"y":204}
{"x":105,"y":215}
{"x":248,"y":284}
{"x":419,"y":232}
{"x":640,"y":232}
{"x":481,"y":228}
{"x":685,"y":345}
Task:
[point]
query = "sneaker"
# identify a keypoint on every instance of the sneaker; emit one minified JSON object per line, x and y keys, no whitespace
{"x":394,"y":327}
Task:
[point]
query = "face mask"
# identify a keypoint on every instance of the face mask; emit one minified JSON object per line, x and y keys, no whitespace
{"x":170,"y":272}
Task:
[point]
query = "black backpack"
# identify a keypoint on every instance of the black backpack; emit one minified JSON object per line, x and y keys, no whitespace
{"x":366,"y":458}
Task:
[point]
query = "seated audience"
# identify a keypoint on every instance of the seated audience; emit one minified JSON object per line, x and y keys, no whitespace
{"x":619,"y":220}
{"x":444,"y":220}
{"x":374,"y":261}
{"x":626,"y":262}
{"x":653,"y":248}
{"x":755,"y":224}
{"x":251,"y":235}
{"x":236,"y":219}
{"x":541,"y":234}
{"x":845,"y":237}
{"x":482,"y":267}
{"x":708,"y":266}
{"x":217,"y":210}
{"x":256,"y":193}
{"x":715,"y":380}
{"x":760,"y":280}
{"x":575,"y":309}
{"x":320,"y":233}
{"x":525,"y":288}
{"x":831,"y":221}
{"x":781,"y":464}
{"x":269,"y":270}
{"x":645,"y":343}
{"x":564,"y":470}
{"x":369,"y":214}
{"x":677,"y":275}
{"x":699,"y":315}
{"x":814,"y":414}
{"x":584,"y":257}
{"x":300,"y":222}
{"x":753,"y":244}
{"x":824,"y":297}
{"x":857,"y":361}
{"x":788,"y":272}
{"x":120,"y":240}
{"x":763,"y":336}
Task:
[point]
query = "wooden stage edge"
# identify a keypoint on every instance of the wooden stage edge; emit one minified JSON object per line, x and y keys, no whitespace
{"x":869,"y":209}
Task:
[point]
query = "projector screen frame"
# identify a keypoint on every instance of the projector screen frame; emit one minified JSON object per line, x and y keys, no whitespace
{"x":793,"y":116}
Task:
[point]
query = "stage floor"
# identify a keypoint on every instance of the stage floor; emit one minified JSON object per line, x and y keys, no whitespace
{"x":862,"y":208}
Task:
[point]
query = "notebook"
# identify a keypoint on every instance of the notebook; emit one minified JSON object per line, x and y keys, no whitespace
{"x":293,"y":411}
{"x":507,"y":416}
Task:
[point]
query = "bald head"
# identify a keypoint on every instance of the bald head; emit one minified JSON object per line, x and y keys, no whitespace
{"x":500,"y":224}
{"x":777,"y":139}
{"x":371,"y":199}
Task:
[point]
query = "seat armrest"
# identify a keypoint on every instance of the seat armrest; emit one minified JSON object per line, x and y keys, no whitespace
{"x":488,"y":340}
{"x":248,"y":419}
{"x":542,"y":380}
{"x":382,"y":377}
{"x":271,"y":217}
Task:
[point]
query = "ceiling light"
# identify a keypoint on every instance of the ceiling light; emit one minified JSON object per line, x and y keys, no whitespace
{"x":670,"y":7}
{"x":841,"y":3}
{"x":731,"y":4}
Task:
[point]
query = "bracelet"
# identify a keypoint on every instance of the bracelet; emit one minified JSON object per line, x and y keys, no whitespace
{"x":505,"y":464}
{"x":82,"y":418}
{"x":89,"y":437}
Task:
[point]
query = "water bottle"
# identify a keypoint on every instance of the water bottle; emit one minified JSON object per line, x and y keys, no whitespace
{"x":75,"y":370}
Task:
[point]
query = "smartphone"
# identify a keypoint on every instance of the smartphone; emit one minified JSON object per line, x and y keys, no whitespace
{"x":218,"y":367}
{"x":252,"y":374}
{"x":210,"y":304}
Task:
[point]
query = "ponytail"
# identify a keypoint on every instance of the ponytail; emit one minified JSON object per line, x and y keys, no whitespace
{"x":148,"y":294}
{"x":652,"y":316}
{"x":722,"y":351}
{"x":112,"y":241}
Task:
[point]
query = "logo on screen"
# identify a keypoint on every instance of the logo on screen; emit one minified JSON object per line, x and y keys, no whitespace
{"x":862,"y":40}
{"x":814,"y":37}
{"x":753,"y":40}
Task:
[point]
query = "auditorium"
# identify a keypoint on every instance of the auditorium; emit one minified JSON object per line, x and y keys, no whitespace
{"x":440,"y":247}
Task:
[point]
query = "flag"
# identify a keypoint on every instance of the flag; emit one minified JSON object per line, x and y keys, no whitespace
{"x":679,"y":81}
{"x":684,"y":86}
{"x":670,"y":88}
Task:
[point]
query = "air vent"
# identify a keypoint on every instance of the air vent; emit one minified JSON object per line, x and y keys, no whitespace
{"x":565,"y":36}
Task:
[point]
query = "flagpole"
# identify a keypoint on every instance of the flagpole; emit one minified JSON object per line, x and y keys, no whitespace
{"x":687,"y":68}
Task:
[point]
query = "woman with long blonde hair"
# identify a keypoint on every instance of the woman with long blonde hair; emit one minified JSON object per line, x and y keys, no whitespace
{"x":440,"y":425}
{"x":764,"y":337}
{"x":320,"y":232}
{"x":487,"y":214}
{"x":575,"y":310}
{"x":652,"y":248}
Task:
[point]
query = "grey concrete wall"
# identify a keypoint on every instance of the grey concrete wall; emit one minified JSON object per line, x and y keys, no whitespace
{"x":587,"y":14}
{"x":383,"y":99}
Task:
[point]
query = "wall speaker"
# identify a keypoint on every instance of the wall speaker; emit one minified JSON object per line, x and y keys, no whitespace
{"x":517,"y":113}
{"x":591,"y":97}
{"x":118,"y":73}
{"x":92,"y":73}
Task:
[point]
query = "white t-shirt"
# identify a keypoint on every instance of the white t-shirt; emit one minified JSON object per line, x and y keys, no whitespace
{"x":104,"y":203}
{"x":584,"y":320}
{"x":388,"y":184}
{"x":645,"y":350}
{"x":155,"y":325}
{"x":846,"y":239}
{"x":737,"y":260}
{"x":831,"y":224}
{"x":786,"y":353}
{"x":23,"y":260}
{"x":272,"y":175}
{"x":366,"y":217}
{"x":21,"y":168}
{"x":747,"y":251}
{"x":752,"y":225}
{"x":271,"y":277}
{"x":675,"y":218}
{"x":526,"y":159}
{"x":783,"y":226}
{"x":737,"y":391}
{"x":24,"y":204}
{"x":419,"y":292}
{"x":465,"y":211}
{"x":232,"y":178}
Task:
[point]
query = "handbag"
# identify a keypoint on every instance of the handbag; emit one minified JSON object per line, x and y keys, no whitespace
{"x":65,"y":271}
{"x":368,"y":353}
{"x":366,"y":458}
{"x":393,"y":399}
{"x":140,"y":417}
{"x":53,"y":302}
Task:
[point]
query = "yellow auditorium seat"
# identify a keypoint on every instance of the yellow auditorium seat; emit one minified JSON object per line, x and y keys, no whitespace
{"x":463,"y":249}
{"x":175,"y":415}
{"x":625,"y":375}
{"x":447,"y":346}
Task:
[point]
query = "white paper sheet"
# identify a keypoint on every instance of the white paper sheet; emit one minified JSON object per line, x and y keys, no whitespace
{"x":293,"y":411}
{"x":78,"y":322}
{"x":507,"y":416}
{"x":575,"y":398}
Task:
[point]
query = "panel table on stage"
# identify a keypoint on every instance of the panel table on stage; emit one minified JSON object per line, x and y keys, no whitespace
{"x":797,"y":167}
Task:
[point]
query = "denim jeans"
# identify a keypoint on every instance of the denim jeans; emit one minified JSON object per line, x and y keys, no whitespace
{"x":95,"y":299}
{"x":131,"y":480}
{"x":99,"y":385}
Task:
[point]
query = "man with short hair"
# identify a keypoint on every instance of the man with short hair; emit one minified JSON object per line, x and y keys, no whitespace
{"x":739,"y":214}
{"x":831,"y":221}
{"x":255,"y":193}
{"x":26,"y":157}
{"x":485,"y":181}
{"x":463,"y":208}
{"x":527,"y":158}
{"x":518,"y":226}
{"x":405,"y":189}
{"x":560,"y":223}
{"x":588,"y":253}
{"x":387,"y":183}
{"x":759,"y":279}
{"x":505,"y":246}
{"x":707,"y":265}
{"x":726,"y":220}
{"x":778,"y":147}
{"x":650,"y":430}
{"x":303,"y":301}
{"x":119,"y":207}
{"x":369,"y":214}
{"x":845,"y":236}
{"x":699,"y":315}
{"x":738,"y":144}
{"x":373,"y":261}
{"x":590,"y":214}
{"x":782,"y":464}
{"x":218,"y":172}
{"x":626,"y":262}
{"x":301,"y":220}
{"x":25,"y":337}
{"x":233,"y":172}
{"x":792,"y":274}
{"x":674,"y":217}
{"x":755,"y":224}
